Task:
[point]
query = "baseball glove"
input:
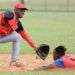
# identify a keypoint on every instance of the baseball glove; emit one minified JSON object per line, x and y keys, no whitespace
{"x":42,"y":51}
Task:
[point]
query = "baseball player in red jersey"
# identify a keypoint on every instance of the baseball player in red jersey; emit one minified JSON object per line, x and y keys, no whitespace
{"x":61,"y":60}
{"x":11,"y":30}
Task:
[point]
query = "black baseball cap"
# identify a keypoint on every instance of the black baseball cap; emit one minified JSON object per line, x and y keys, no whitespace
{"x":60,"y":49}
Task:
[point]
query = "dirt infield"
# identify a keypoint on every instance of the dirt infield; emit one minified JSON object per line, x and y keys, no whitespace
{"x":29,"y":60}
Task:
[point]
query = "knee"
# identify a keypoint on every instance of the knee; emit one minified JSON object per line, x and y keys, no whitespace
{"x":17,"y":38}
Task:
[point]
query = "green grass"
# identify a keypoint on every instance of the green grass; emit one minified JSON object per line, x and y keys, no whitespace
{"x":52,"y":28}
{"x":52,"y":72}
{"x":42,"y":4}
{"x":46,"y":27}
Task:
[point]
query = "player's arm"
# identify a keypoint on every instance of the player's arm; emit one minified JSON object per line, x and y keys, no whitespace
{"x":25,"y":35}
{"x":46,"y":67}
{"x":50,"y":66}
{"x":56,"y":64}
{"x":2,"y":29}
{"x":28,"y":38}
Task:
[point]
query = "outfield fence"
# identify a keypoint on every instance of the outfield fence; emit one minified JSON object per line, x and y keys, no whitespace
{"x":43,"y":5}
{"x":51,"y":5}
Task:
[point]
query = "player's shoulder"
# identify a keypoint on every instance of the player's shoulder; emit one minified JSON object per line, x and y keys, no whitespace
{"x":66,"y":57}
{"x":1,"y":13}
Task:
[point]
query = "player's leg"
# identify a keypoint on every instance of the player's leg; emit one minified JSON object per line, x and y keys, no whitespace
{"x":15,"y":52}
{"x":16,"y":47}
{"x":9,"y":38}
{"x":15,"y":38}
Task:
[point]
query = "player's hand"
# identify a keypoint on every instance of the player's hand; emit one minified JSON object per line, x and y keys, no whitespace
{"x":42,"y":51}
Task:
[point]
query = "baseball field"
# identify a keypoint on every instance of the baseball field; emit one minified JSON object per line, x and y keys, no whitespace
{"x":53,"y":28}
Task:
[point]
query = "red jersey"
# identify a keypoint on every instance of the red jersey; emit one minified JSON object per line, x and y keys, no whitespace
{"x":7,"y":26}
{"x":69,"y":61}
{"x":65,"y":62}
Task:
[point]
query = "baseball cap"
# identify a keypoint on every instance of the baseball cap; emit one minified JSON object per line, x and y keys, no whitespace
{"x":60,"y":49}
{"x":20,"y":6}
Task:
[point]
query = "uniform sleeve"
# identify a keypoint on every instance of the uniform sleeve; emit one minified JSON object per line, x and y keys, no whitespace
{"x":24,"y":34}
{"x":20,"y":27}
{"x":59,"y":63}
{"x":2,"y":29}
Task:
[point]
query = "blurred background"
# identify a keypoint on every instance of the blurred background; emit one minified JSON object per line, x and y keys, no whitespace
{"x":43,"y":5}
{"x":47,"y":21}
